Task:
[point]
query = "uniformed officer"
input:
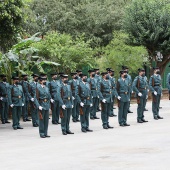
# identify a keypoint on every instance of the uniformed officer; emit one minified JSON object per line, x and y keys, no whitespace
{"x":16,"y":101}
{"x":123,"y":100}
{"x":54,"y":86}
{"x":44,"y":75}
{"x":78,"y":74}
{"x":156,"y":90}
{"x":95,"y":94}
{"x":66,"y":103}
{"x":85,"y":101}
{"x":74,"y":87}
{"x":33,"y":107}
{"x":140,"y":88}
{"x":42,"y":101}
{"x":4,"y":103}
{"x":105,"y":94}
{"x":60,"y":78}
{"x":147,"y":87}
{"x":168,"y":83}
{"x":25,"y":86}
{"x":114,"y":91}
{"x":125,"y":68}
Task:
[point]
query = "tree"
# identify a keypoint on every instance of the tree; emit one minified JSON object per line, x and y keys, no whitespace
{"x":147,"y":22}
{"x":118,"y":53}
{"x":96,"y":19}
{"x":10,"y":22}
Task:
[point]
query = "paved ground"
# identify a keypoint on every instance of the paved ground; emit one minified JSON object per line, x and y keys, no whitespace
{"x":138,"y":147}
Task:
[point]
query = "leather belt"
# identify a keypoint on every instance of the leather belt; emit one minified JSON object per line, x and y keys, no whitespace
{"x":5,"y":95}
{"x":44,"y":100}
{"x":19,"y":97}
{"x":124,"y":92}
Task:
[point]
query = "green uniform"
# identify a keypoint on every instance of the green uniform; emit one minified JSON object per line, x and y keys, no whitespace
{"x":95,"y":96}
{"x":25,"y":87}
{"x":140,"y":86}
{"x":129,"y":78}
{"x":85,"y":97}
{"x":105,"y":92}
{"x":114,"y":93}
{"x":16,"y":97}
{"x":155,"y":85}
{"x":123,"y":91}
{"x":43,"y":99}
{"x":65,"y":98}
{"x":4,"y":103}
{"x":33,"y":108}
{"x":54,"y":86}
{"x":74,"y":87}
{"x":98,"y":78}
{"x":147,"y":88}
{"x":168,"y":82}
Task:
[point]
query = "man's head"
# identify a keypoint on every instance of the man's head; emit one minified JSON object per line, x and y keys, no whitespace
{"x":74,"y":75}
{"x":3,"y":77}
{"x":123,"y":74}
{"x":92,"y":73}
{"x":54,"y":76}
{"x":141,"y":72}
{"x":35,"y":77}
{"x":64,"y":78}
{"x":15,"y":80}
{"x":24,"y":77}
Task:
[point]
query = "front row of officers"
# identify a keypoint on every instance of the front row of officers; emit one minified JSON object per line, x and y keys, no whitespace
{"x":79,"y":97}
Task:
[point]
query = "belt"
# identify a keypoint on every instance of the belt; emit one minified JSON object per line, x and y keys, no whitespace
{"x":157,"y":85}
{"x":143,"y":88}
{"x":124,"y":92}
{"x":5,"y":95}
{"x":88,"y":98}
{"x":19,"y":97}
{"x":44,"y":100}
{"x":68,"y":98}
{"x":108,"y":92}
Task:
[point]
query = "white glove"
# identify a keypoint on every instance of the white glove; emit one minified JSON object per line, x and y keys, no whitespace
{"x":32,"y":99}
{"x":92,"y":97}
{"x":63,"y":106}
{"x":118,"y":97}
{"x":132,"y":91}
{"x":98,"y":97}
{"x":148,"y":90}
{"x":155,"y":93}
{"x":91,"y":105}
{"x":82,"y":104}
{"x":40,"y":107}
{"x":72,"y":106}
{"x":1,"y":98}
{"x":22,"y":104}
{"x":12,"y":105}
{"x":147,"y":97}
{"x":161,"y":94}
{"x":104,"y":100}
{"x":139,"y":94}
{"x":52,"y":101}
{"x":73,"y":98}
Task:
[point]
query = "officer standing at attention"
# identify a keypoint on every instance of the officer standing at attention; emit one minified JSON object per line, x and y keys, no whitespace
{"x":125,"y":68}
{"x":123,"y":100}
{"x":25,"y":86}
{"x":114,"y":91}
{"x":16,"y":101}
{"x":66,"y":103}
{"x":4,"y":103}
{"x":168,"y":83}
{"x":85,"y":101}
{"x":156,"y":90}
{"x":78,"y":74}
{"x":43,"y":99}
{"x":140,"y":88}
{"x":54,"y":87}
{"x":94,"y":93}
{"x":74,"y":88}
{"x":105,"y":94}
{"x":34,"y":108}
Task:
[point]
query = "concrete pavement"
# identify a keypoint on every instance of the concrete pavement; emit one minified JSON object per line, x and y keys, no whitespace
{"x":138,"y":147}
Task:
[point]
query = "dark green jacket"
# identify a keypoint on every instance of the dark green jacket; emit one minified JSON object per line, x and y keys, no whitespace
{"x":74,"y":88}
{"x":113,"y":86}
{"x":54,"y":88}
{"x":93,"y":86}
{"x":4,"y":91}
{"x":25,"y":87}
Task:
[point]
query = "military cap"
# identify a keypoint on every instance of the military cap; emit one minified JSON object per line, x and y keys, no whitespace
{"x":15,"y":78}
{"x":61,"y":73}
{"x":141,"y":69}
{"x":96,"y":69}
{"x":73,"y":73}
{"x":52,"y":74}
{"x":23,"y":75}
{"x":122,"y":71}
{"x":64,"y":76}
{"x":104,"y":73}
{"x":90,"y":71}
{"x":82,"y":75}
{"x":41,"y":78}
{"x":108,"y":69}
{"x":112,"y":70}
{"x":78,"y":71}
{"x":2,"y":75}
{"x":124,"y":67}
{"x":155,"y":68}
{"x":35,"y":75}
{"x":43,"y":74}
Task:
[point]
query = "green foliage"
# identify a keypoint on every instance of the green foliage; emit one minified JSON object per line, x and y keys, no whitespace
{"x":10,"y":22}
{"x":96,"y":19}
{"x":61,"y":48}
{"x":118,"y":53}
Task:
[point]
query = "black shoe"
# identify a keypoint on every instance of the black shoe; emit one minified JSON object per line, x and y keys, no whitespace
{"x":15,"y":128}
{"x":155,"y":117}
{"x":122,"y":125}
{"x":129,"y":111}
{"x":105,"y":127}
{"x":159,"y":117}
{"x":145,"y":109}
{"x":84,"y":130}
{"x":98,"y":110}
{"x":58,"y":123}
{"x":64,"y":133}
{"x":111,"y":115}
{"x":54,"y":123}
{"x":47,"y":136}
{"x":114,"y":115}
{"x":160,"y":107}
{"x":74,"y":120}
{"x":7,"y":121}
{"x":89,"y":130}
{"x":24,"y":120}
{"x":95,"y":117}
{"x":28,"y":120}
{"x":20,"y":128}
{"x":49,"y":118}
{"x":42,"y":136}
{"x":125,"y":124}
{"x":140,"y":121}
{"x":144,"y":120}
{"x":92,"y":118}
{"x":114,"y":107}
{"x":77,"y":120}
{"x":35,"y":125}
{"x":110,"y":127}
{"x":3,"y":122}
{"x":69,"y":132}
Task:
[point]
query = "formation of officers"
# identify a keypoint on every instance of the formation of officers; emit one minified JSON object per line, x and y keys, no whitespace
{"x":79,"y":97}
